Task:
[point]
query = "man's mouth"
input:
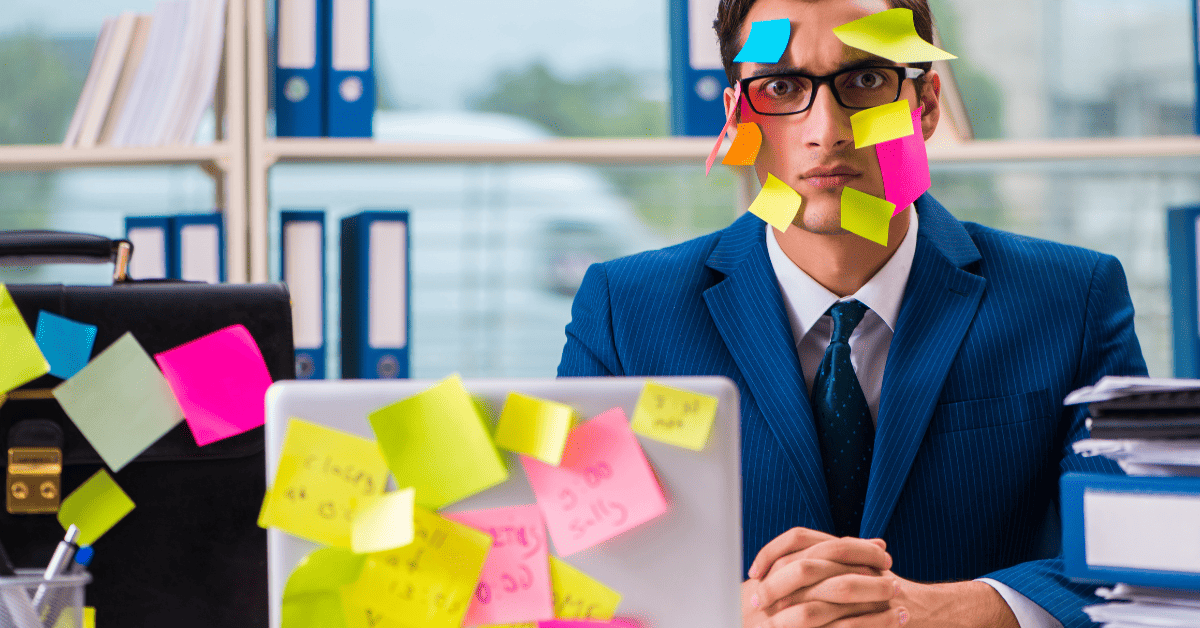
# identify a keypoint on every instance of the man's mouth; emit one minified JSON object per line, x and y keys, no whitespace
{"x":828,"y":177}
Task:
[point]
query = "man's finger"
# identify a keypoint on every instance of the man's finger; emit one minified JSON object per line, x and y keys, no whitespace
{"x":851,"y":551}
{"x":813,"y":614}
{"x":801,"y":574}
{"x":790,"y":542}
{"x":891,"y":618}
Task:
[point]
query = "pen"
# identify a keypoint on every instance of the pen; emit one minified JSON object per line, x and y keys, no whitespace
{"x":58,"y":562}
{"x":60,"y":600}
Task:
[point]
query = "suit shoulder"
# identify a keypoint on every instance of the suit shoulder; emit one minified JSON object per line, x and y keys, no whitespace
{"x":1004,"y":248}
{"x":681,"y":263}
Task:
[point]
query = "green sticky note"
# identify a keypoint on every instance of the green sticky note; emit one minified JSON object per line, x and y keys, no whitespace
{"x":324,"y":570}
{"x":534,"y":427}
{"x":95,"y":507}
{"x":23,"y":360}
{"x":316,"y":610}
{"x":674,"y":416}
{"x":777,"y":203}
{"x":882,"y":124}
{"x":579,"y":596}
{"x":120,"y":401}
{"x":866,"y":215}
{"x":436,"y":442}
{"x":890,"y":34}
{"x":385,"y":524}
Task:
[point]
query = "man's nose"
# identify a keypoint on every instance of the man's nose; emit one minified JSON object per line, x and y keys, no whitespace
{"x":826,"y":124}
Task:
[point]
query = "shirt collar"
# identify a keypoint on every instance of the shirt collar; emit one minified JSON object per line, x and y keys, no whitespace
{"x":809,"y":300}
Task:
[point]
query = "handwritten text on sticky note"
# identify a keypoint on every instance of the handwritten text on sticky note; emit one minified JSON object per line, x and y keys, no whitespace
{"x":578,"y":595}
{"x":95,"y":507}
{"x":23,"y":361}
{"x":671,"y":415}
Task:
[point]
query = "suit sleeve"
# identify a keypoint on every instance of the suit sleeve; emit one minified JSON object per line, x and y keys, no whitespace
{"x":1109,"y":347}
{"x":591,"y":349}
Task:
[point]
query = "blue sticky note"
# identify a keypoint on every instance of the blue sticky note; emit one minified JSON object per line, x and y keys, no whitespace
{"x":767,"y":42}
{"x":67,"y":344}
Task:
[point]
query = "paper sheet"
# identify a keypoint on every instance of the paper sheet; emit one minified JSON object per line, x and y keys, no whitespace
{"x":881,"y":124}
{"x":905,"y":167}
{"x":890,"y":34}
{"x":534,"y":427}
{"x":324,"y":478}
{"x":745,"y":146}
{"x":95,"y":507}
{"x":66,"y":344}
{"x":515,"y":583}
{"x":729,"y":117}
{"x":777,"y":203}
{"x":578,"y":595}
{"x":428,"y":583}
{"x":767,"y":42}
{"x":221,"y":382}
{"x":603,"y":487}
{"x":120,"y":401}
{"x":866,"y":215}
{"x":23,"y":361}
{"x":436,"y":442}
{"x":384,"y":524}
{"x":671,"y":415}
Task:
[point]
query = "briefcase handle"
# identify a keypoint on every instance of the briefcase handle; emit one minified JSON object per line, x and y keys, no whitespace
{"x":38,"y":246}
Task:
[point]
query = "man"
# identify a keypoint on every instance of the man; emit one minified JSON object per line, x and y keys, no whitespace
{"x":939,"y":360}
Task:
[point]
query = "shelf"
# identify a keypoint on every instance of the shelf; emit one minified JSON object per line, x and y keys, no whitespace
{"x":41,"y":157}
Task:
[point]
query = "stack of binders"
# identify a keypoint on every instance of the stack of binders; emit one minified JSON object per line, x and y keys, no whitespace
{"x":1138,"y":530}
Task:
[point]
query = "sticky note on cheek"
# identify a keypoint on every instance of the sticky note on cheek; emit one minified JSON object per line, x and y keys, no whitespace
{"x":866,"y":215}
{"x":674,"y":416}
{"x":905,"y":166}
{"x":881,"y":124}
{"x":95,"y":507}
{"x":777,"y":203}
{"x":23,"y":361}
{"x":744,"y":149}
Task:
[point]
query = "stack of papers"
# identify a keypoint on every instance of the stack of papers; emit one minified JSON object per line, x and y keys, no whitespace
{"x":1138,"y":607}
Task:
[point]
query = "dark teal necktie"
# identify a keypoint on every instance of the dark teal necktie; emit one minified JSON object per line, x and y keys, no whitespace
{"x":844,"y":425}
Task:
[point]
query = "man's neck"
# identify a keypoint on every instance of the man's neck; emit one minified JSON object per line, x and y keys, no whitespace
{"x":841,"y":263}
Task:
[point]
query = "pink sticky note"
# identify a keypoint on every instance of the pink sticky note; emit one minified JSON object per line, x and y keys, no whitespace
{"x":603,"y":487}
{"x":737,"y":101}
{"x":220,"y":381}
{"x":905,"y":167}
{"x":514,"y":586}
{"x":617,"y":622}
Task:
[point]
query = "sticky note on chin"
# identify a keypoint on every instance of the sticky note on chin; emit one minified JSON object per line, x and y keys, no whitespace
{"x":674,"y":416}
{"x":890,"y":34}
{"x":881,"y":124}
{"x":866,"y":215}
{"x":777,"y":203}
{"x":766,"y":43}
{"x":23,"y":360}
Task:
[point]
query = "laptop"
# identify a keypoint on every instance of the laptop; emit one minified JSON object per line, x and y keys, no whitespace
{"x":679,"y":570}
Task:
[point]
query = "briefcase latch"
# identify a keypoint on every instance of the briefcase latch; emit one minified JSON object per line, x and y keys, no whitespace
{"x":34,"y":483}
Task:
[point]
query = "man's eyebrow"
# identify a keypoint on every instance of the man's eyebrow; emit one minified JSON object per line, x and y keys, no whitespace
{"x":784,"y":68}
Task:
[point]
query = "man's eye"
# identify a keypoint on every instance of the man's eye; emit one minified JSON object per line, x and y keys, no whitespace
{"x":867,"y":80}
{"x":779,"y":88}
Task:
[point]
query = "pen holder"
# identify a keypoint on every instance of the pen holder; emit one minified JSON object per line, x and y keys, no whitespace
{"x":62,"y":600}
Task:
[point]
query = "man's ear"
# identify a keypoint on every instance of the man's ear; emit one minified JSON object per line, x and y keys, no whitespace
{"x":729,"y":104}
{"x":931,"y":100}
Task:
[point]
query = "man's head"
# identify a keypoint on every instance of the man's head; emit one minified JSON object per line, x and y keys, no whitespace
{"x":813,"y":151}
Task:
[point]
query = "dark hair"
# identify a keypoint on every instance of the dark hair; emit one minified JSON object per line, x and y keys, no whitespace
{"x":732,"y":13}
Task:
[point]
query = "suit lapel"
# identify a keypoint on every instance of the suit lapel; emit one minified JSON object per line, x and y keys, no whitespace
{"x":940,"y":302}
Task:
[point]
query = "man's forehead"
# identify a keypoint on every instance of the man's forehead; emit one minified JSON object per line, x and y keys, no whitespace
{"x":812,"y":24}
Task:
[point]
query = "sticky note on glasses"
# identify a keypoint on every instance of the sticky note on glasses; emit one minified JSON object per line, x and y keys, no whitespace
{"x":881,"y":124}
{"x":865,"y":215}
{"x":890,"y":34}
{"x":905,"y":166}
{"x":767,"y":42}
{"x":23,"y":360}
{"x":95,"y":507}
{"x":745,"y":146}
{"x":777,"y":203}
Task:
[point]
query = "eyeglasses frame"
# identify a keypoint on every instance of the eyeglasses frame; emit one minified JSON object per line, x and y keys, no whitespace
{"x":903,"y":73}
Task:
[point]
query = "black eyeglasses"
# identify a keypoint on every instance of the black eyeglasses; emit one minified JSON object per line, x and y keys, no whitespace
{"x":856,"y":88}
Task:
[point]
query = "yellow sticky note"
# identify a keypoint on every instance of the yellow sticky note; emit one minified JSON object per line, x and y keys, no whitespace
{"x":312,"y":597}
{"x":866,"y":215}
{"x":325,"y":476}
{"x":777,"y":203}
{"x":579,"y":596}
{"x":318,"y":610}
{"x":95,"y":507}
{"x":385,"y":524}
{"x":436,"y":442}
{"x":881,"y":124}
{"x":429,"y":583}
{"x":744,"y":149}
{"x":89,"y":617}
{"x":674,"y":416}
{"x":23,"y":360}
{"x":890,"y":34}
{"x":534,"y":427}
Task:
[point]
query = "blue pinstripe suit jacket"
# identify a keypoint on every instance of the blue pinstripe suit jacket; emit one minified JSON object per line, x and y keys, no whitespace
{"x":994,"y":330}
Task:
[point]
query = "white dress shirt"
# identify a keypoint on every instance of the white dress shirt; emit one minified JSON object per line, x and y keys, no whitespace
{"x":807,"y":303}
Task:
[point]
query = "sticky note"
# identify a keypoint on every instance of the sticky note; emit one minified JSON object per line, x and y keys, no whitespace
{"x":866,"y":215}
{"x":436,"y":442}
{"x":767,"y":42}
{"x":534,"y":427}
{"x":777,"y":203}
{"x":324,"y":478}
{"x":603,"y":487}
{"x":428,"y":583}
{"x":905,"y":167}
{"x":23,"y":361}
{"x":514,"y":585}
{"x":744,"y":149}
{"x":881,"y":124}
{"x":729,"y":117}
{"x":66,"y":344}
{"x":890,"y":34}
{"x":120,"y":401}
{"x":671,"y":415}
{"x":618,"y":622}
{"x":95,"y":507}
{"x":317,"y":610}
{"x":312,"y":596}
{"x":578,"y":595}
{"x":221,"y":382}
{"x":385,"y":524}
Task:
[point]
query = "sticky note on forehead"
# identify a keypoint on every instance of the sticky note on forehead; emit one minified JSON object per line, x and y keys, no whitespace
{"x":767,"y":42}
{"x":890,"y":34}
{"x":866,"y":215}
{"x":674,"y":416}
{"x":777,"y":203}
{"x":881,"y":124}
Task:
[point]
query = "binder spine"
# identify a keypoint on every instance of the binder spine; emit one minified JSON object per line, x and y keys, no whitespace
{"x":1185,"y":309}
{"x":198,"y":247}
{"x":697,"y":103}
{"x":299,"y":78}
{"x":374,"y":344}
{"x":305,"y":278}
{"x":349,"y":66}
{"x":152,"y":239}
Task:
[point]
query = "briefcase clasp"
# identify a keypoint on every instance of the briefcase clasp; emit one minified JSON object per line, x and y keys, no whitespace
{"x":34,"y":482}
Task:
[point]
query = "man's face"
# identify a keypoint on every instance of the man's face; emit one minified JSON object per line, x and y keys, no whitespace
{"x":813,"y":151}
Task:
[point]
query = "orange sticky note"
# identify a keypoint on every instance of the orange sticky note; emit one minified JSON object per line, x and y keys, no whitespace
{"x":866,"y":215}
{"x":777,"y":203}
{"x":744,"y":149}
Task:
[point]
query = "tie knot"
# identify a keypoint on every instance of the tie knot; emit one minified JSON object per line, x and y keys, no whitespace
{"x":846,"y":316}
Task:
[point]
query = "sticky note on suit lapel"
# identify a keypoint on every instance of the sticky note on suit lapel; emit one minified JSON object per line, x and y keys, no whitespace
{"x":23,"y":360}
{"x":777,"y":203}
{"x":881,"y":124}
{"x":866,"y":215}
{"x":905,"y":167}
{"x":890,"y":34}
{"x":745,"y":146}
{"x":767,"y":42}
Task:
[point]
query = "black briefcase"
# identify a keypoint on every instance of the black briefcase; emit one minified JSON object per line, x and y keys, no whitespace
{"x":190,"y":553}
